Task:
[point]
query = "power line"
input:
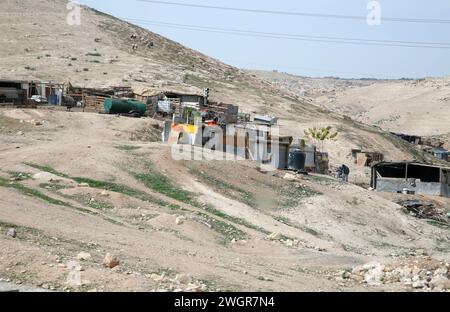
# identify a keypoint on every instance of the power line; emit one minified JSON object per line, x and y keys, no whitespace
{"x":305,"y":14}
{"x":324,"y":39}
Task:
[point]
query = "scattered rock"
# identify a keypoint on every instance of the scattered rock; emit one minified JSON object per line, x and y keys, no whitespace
{"x":180,"y":220}
{"x":183,"y":278}
{"x":440,"y":283}
{"x":12,"y":233}
{"x":346,"y":275}
{"x":194,"y":288}
{"x":290,"y":177}
{"x":46,"y":177}
{"x":84,"y":256}
{"x":418,"y":284}
{"x":274,"y":236}
{"x":20,"y":133}
{"x":110,"y":261}
{"x":83,"y":185}
{"x":374,"y":273}
{"x":104,"y":193}
{"x":156,"y":277}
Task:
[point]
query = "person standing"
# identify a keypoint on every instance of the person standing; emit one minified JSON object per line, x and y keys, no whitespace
{"x":345,"y":172}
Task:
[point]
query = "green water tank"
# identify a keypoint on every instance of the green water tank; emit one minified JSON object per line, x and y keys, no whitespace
{"x":121,"y":106}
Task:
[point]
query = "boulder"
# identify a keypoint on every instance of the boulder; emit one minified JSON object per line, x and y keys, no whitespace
{"x":180,"y":220}
{"x":110,"y":261}
{"x":84,"y":256}
{"x":440,"y":283}
{"x":12,"y":233}
{"x":274,"y":236}
{"x":183,"y":279}
{"x":290,"y":177}
{"x":375,"y":273}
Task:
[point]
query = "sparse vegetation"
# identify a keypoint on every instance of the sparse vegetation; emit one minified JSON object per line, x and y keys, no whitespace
{"x":293,"y":224}
{"x":321,"y":135}
{"x":235,"y":220}
{"x":93,"y":203}
{"x":127,"y":147}
{"x":228,"y":189}
{"x":32,"y":192}
{"x":52,"y":186}
{"x":20,"y":176}
{"x":109,"y":186}
{"x":163,"y":185}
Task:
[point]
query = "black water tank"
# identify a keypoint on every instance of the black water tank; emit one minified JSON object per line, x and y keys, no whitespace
{"x":297,"y":159}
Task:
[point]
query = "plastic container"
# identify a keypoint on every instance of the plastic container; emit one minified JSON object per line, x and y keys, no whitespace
{"x":120,"y":106}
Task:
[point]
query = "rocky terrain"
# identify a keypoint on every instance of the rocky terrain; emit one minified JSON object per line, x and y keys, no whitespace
{"x":89,"y":203}
{"x":79,"y":198}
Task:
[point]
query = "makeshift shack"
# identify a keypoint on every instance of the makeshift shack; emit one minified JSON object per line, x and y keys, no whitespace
{"x":13,"y":92}
{"x":170,"y":100}
{"x":18,"y":92}
{"x":411,"y":178}
{"x":367,"y":159}
{"x":223,"y":113}
{"x":440,"y":153}
{"x":413,"y":139}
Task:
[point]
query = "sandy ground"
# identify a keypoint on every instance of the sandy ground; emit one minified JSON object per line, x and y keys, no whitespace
{"x":73,"y":182}
{"x":240,"y":229}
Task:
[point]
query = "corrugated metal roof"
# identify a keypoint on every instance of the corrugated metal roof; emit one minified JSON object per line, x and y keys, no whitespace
{"x":410,"y":163}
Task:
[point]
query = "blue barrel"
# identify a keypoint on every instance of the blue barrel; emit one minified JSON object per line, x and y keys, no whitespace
{"x":53,"y":99}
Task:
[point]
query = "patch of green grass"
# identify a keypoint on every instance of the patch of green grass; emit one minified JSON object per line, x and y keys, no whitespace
{"x":52,"y":186}
{"x":123,"y":189}
{"x":110,"y":186}
{"x":20,"y":176}
{"x":289,"y":195}
{"x":322,"y":180}
{"x":20,"y":229}
{"x":439,"y":224}
{"x":226,"y":230}
{"x":160,"y":183}
{"x":163,"y":185}
{"x":229,"y":190}
{"x":32,"y":192}
{"x":47,"y":169}
{"x":235,"y":220}
{"x":127,"y":147}
{"x":94,"y":204}
{"x":290,"y":223}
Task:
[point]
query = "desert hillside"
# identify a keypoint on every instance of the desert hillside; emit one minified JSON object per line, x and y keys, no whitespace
{"x":100,"y":52}
{"x":77,"y":186}
{"x":418,"y":107}
{"x":100,"y":197}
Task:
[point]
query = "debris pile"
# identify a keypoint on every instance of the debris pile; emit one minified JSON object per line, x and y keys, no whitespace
{"x":181,"y":283}
{"x":424,"y":210}
{"x":425,"y":274}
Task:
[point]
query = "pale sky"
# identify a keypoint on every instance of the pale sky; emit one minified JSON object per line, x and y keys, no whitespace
{"x":304,"y":57}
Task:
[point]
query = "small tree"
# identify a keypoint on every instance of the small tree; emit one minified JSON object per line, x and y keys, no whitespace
{"x":321,"y":135}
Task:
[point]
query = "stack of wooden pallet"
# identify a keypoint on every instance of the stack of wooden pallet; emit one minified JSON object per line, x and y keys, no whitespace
{"x":94,"y":102}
